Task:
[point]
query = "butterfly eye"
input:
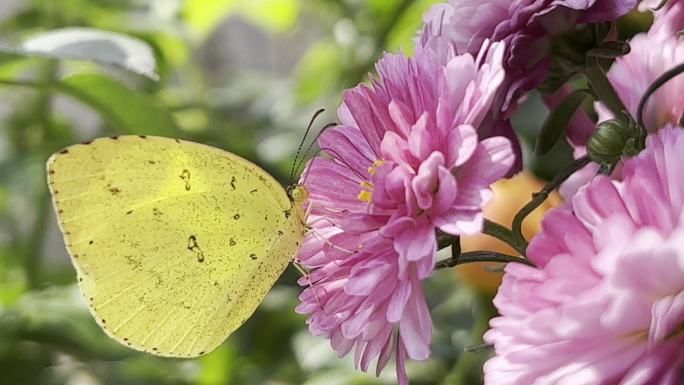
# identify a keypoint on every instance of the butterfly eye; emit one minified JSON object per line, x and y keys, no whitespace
{"x":298,"y":193}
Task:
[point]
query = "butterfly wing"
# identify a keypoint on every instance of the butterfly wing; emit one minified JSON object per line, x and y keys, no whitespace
{"x":175,"y":243}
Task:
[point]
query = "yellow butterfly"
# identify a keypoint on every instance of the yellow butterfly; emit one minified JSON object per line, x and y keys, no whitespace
{"x":175,"y":243}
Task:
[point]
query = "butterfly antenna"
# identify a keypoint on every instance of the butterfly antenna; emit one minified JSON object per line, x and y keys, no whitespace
{"x":302,"y":160}
{"x":340,"y":159}
{"x":299,"y":149}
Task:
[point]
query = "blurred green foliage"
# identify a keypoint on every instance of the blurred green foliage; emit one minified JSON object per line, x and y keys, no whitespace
{"x":242,"y":75}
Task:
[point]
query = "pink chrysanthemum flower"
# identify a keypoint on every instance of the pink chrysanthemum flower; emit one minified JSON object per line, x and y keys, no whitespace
{"x":405,"y":160}
{"x":606,"y":305}
{"x":526,"y":26}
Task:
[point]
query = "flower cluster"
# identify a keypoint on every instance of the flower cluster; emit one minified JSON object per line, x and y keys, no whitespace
{"x":405,"y":160}
{"x":606,"y":303}
{"x":414,"y":156}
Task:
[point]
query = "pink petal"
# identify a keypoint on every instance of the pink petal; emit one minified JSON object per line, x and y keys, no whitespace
{"x":348,"y":145}
{"x":490,"y":162}
{"x":416,"y":243}
{"x":416,"y":326}
{"x":400,"y":297}
{"x":385,"y":354}
{"x":462,"y":143}
{"x":425,"y":183}
{"x":365,"y":278}
{"x":402,"y":377}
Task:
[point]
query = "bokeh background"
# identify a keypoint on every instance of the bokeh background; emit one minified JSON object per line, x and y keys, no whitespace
{"x":245,"y":76}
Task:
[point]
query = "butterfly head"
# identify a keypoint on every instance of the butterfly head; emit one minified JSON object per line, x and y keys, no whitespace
{"x":297,"y":193}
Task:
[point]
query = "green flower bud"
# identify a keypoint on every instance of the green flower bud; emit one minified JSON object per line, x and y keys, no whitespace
{"x":613,"y":139}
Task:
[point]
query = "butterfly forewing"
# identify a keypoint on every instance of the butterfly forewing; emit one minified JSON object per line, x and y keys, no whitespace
{"x":175,"y":243}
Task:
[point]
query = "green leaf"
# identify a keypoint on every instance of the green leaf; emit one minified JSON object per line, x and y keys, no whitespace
{"x":317,"y":72}
{"x":405,"y":29}
{"x":102,"y":47}
{"x":217,"y":366}
{"x":14,"y":67}
{"x":558,"y":119}
{"x":204,"y":15}
{"x":127,"y":110}
{"x":275,"y":15}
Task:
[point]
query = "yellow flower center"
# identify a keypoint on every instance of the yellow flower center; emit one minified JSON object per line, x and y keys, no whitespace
{"x":366,"y":193}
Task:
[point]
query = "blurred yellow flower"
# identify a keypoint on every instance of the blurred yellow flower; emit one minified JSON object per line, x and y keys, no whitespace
{"x":510,"y":195}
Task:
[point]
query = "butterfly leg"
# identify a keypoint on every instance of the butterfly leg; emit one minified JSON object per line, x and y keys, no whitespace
{"x":325,"y":239}
{"x":318,"y":235}
{"x":307,"y":274}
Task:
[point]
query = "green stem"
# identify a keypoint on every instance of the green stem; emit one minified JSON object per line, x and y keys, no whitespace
{"x":539,"y":198}
{"x":24,"y":83}
{"x":480,"y":256}
{"x":603,"y":88}
{"x":490,"y":228}
{"x":659,"y":82}
{"x":502,"y":233}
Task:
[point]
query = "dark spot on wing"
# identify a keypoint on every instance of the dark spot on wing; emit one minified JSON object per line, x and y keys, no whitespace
{"x":200,"y":353}
{"x":232,"y":242}
{"x":236,"y":216}
{"x":253,"y":191}
{"x":156,"y":212}
{"x":65,"y":151}
{"x":151,"y":162}
{"x":287,"y":214}
{"x":91,"y":242}
{"x":194,"y":247}
{"x":177,"y":141}
{"x":104,"y":321}
{"x":113,"y":189}
{"x":280,"y":232}
{"x":232,"y":182}
{"x":51,"y":172}
{"x":253,"y":256}
{"x":135,"y":263}
{"x":185,"y":176}
{"x":129,"y":211}
{"x":114,"y":137}
{"x":142,"y":136}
